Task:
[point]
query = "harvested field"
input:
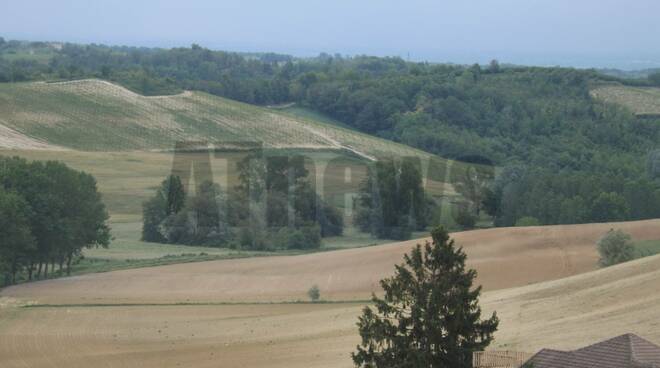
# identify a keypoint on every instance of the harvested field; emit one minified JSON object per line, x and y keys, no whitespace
{"x":179,"y":336}
{"x":580,"y":310}
{"x":504,"y":258}
{"x":555,"y":313}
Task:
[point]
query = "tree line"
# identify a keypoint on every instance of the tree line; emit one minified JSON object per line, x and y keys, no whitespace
{"x":48,"y":214}
{"x":273,"y":206}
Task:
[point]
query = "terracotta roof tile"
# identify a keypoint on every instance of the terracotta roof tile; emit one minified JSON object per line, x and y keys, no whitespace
{"x":625,"y":351}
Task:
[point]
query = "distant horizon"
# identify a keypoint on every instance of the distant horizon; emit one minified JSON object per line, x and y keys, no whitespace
{"x":585,"y":34}
{"x":579,"y":62}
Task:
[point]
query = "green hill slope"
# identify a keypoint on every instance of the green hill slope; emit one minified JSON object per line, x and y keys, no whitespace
{"x":94,"y":115}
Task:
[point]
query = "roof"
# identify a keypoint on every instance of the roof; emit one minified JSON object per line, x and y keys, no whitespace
{"x":625,"y":351}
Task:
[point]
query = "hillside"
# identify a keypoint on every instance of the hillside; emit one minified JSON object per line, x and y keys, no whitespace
{"x":642,"y":101}
{"x":580,"y":310}
{"x":555,"y":313}
{"x":94,"y":115}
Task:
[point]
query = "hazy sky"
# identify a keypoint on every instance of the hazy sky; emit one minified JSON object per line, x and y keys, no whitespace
{"x":599,"y":33}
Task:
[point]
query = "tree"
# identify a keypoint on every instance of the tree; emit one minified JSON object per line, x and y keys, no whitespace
{"x":83,"y":218}
{"x":169,"y":200}
{"x":392,"y":201}
{"x":173,"y":192}
{"x":474,"y":187}
{"x":494,"y":66}
{"x":202,"y":221}
{"x":429,"y":316}
{"x":294,"y":212}
{"x":314,"y":293}
{"x":153,"y":214}
{"x":528,"y":221}
{"x":66,"y":213}
{"x":655,"y":78}
{"x":615,"y":247}
{"x":464,"y":218}
{"x":16,"y":240}
{"x":609,"y":207}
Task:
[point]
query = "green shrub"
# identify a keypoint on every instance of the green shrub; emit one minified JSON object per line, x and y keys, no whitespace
{"x":528,"y":221}
{"x":314,"y":293}
{"x":615,"y":247}
{"x":465,"y":219}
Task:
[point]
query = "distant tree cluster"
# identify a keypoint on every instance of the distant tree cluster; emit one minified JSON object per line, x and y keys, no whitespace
{"x":392,"y":202}
{"x":273,"y":207}
{"x":570,"y":197}
{"x":48,"y":214}
{"x":654,"y":78}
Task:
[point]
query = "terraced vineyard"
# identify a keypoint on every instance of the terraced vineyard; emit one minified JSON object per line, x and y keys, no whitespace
{"x":643,"y":101}
{"x":94,"y":115}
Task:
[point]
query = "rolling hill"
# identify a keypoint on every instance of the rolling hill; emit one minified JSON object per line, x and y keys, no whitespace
{"x":95,"y":115}
{"x":503,"y":257}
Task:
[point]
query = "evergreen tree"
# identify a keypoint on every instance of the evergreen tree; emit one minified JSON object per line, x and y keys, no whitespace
{"x":429,"y":316}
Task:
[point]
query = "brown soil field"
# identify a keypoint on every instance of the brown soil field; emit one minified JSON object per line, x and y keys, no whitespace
{"x":556,"y":312}
{"x":503,"y":257}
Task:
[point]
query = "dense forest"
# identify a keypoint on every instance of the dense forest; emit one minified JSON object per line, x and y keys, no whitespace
{"x":562,"y":156}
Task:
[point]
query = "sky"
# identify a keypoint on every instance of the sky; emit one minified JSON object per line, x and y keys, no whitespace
{"x":581,"y":33}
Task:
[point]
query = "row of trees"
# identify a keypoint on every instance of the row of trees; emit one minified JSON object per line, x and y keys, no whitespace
{"x":48,"y":214}
{"x":274,"y":206}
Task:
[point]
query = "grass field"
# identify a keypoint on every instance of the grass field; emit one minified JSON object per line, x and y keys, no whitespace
{"x":647,"y":248}
{"x":643,"y":101}
{"x":94,"y":115}
{"x":178,"y":315}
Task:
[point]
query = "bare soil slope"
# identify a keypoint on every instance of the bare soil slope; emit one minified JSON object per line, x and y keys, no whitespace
{"x":504,"y":258}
